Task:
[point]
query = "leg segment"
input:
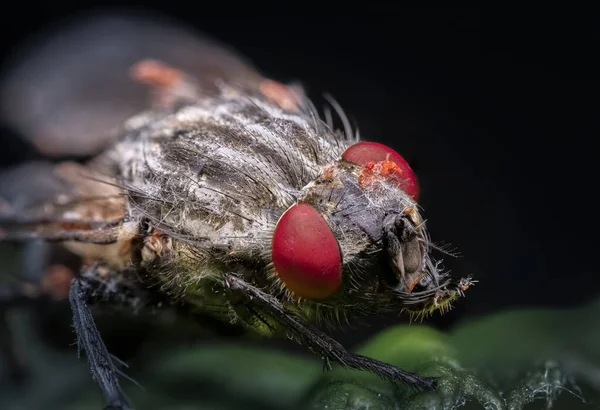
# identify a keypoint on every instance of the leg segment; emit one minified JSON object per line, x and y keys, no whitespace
{"x":322,"y":344}
{"x":104,"y":371}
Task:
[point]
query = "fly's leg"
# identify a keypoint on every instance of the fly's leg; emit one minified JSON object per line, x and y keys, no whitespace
{"x":104,"y":371}
{"x":322,"y":344}
{"x":92,"y":286}
{"x":95,"y":285}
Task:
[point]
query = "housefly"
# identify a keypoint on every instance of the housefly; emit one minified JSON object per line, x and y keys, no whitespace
{"x":202,"y":184}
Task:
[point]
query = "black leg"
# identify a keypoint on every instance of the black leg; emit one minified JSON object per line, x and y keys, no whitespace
{"x":96,"y":285}
{"x":99,"y":285}
{"x":104,"y":371}
{"x":322,"y":344}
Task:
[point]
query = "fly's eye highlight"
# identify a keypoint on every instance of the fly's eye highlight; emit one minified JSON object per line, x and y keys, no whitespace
{"x":306,"y":254}
{"x":365,"y":152}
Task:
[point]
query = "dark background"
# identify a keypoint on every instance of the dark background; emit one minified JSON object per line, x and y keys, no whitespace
{"x":495,"y":110}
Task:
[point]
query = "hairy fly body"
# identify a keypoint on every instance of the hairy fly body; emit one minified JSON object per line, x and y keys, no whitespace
{"x":227,"y":194}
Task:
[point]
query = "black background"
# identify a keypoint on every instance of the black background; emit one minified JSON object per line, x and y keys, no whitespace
{"x":495,"y":110}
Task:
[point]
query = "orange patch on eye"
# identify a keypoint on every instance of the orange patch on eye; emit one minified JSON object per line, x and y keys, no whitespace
{"x":375,"y":171}
{"x":389,"y":168}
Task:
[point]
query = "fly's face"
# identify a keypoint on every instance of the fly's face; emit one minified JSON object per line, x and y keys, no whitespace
{"x":356,"y":241}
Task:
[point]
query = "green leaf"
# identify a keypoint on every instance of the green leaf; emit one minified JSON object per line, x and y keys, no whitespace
{"x":520,"y":359}
{"x":220,"y":377}
{"x":509,"y":360}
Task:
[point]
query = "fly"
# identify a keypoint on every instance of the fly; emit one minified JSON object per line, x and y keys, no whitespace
{"x":208,"y":187}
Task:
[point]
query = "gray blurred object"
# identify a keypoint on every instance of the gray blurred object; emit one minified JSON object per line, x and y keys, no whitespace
{"x":23,"y":187}
{"x":66,"y":91}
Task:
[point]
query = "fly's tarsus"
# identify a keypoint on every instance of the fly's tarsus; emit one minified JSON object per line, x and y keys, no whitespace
{"x":323,"y":345}
{"x":389,"y":372}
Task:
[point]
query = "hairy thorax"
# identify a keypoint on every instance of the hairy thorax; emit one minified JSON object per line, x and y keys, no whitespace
{"x":210,"y":181}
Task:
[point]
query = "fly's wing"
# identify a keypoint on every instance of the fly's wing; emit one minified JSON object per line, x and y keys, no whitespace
{"x":64,"y":203}
{"x":67,"y":89}
{"x":46,"y":193}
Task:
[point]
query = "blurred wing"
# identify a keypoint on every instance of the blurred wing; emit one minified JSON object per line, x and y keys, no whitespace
{"x":66,"y":91}
{"x":42,"y":191}
{"x":59,"y":202}
{"x":68,"y":203}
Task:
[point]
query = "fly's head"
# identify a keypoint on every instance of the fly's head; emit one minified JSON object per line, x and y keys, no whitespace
{"x":355,"y":241}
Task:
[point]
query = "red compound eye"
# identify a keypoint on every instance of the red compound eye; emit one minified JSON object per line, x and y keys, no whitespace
{"x":306,"y":255}
{"x":364,"y":152}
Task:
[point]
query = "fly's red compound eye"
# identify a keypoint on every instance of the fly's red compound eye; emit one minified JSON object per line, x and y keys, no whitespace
{"x":365,"y":152}
{"x":306,"y":254}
